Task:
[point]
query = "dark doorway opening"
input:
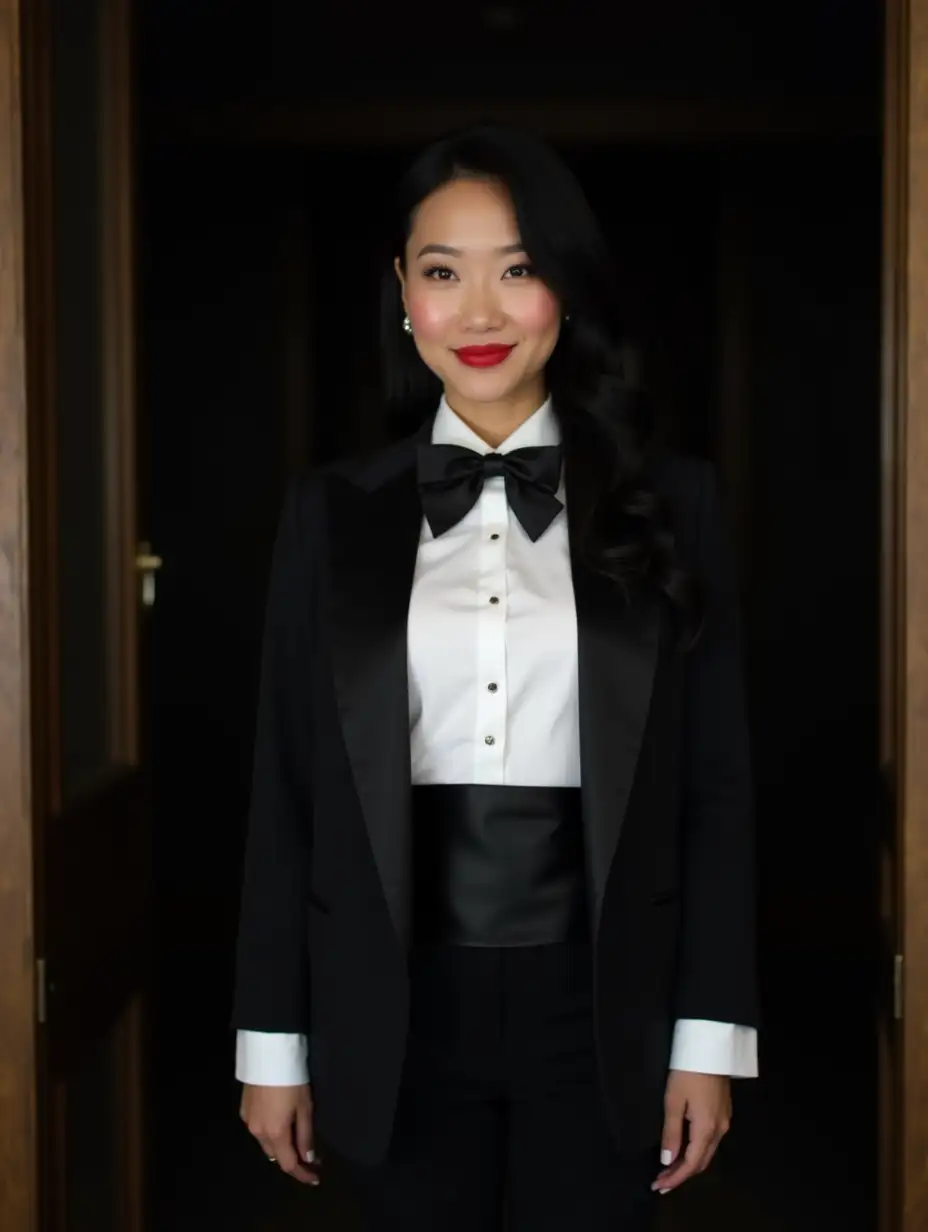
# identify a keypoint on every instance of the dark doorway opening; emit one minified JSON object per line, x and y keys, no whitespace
{"x":744,"y":211}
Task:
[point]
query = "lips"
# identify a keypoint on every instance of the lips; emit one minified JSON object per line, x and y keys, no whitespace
{"x":483,"y":356}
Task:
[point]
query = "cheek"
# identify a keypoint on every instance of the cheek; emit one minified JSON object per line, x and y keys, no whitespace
{"x":430,"y":316}
{"x":537,"y":312}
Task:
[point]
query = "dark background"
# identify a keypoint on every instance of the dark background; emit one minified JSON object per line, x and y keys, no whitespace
{"x":747,"y":232}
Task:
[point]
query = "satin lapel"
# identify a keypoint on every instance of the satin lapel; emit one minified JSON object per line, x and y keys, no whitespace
{"x":618,"y":647}
{"x":374,"y":537}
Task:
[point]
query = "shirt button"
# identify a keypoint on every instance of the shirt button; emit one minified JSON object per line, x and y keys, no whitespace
{"x":493,"y":687}
{"x":494,"y":535}
{"x":489,"y":740}
{"x":493,"y":599}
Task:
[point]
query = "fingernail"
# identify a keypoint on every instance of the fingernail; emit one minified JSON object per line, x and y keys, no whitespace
{"x":310,"y":1156}
{"x":314,"y":1181}
{"x":666,"y":1157}
{"x":663,"y":1191}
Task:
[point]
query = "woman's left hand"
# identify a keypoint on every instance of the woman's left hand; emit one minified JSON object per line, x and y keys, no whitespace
{"x":705,"y":1101}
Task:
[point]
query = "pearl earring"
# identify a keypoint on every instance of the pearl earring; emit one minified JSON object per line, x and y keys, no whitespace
{"x":407,"y":325}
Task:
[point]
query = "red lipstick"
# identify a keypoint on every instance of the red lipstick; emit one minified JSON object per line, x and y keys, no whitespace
{"x":483,"y":356}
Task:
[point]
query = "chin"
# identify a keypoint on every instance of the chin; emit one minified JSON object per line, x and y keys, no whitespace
{"x":487,"y":387}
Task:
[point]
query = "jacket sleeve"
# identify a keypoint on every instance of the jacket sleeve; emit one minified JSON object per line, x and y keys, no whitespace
{"x":717,"y":979}
{"x":272,"y":976}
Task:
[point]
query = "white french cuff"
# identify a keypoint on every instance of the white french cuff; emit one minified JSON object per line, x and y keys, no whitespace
{"x":271,"y":1058}
{"x":704,"y":1047}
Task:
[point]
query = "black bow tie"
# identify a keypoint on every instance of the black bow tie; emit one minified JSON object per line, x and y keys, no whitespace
{"x":451,"y":479}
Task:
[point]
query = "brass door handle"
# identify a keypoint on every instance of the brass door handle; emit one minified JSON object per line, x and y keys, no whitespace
{"x":147,"y":564}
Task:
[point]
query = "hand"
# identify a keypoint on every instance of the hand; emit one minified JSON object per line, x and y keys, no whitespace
{"x":281,"y":1118}
{"x":705,"y":1101}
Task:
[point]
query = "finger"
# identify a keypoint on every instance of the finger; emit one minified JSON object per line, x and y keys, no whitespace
{"x":698,"y":1153}
{"x":671,"y":1141}
{"x":283,"y":1148}
{"x":267,"y":1144}
{"x":672,"y":1137}
{"x":710,"y":1151}
{"x":304,"y":1134}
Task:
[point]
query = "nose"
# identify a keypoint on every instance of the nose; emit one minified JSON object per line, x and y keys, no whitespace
{"x":481,"y":311}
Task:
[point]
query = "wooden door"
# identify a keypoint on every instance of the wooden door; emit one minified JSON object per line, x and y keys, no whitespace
{"x":74,"y":833}
{"x":904,"y":705}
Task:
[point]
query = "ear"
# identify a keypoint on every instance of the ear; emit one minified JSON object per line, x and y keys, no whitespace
{"x":397,"y":265}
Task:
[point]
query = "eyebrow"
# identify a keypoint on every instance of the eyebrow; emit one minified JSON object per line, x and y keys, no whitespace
{"x":445,"y":250}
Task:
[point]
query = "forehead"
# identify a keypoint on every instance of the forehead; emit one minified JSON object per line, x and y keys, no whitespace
{"x":466,"y":213}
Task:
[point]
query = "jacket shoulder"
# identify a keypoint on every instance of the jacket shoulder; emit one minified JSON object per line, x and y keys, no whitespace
{"x":366,"y":469}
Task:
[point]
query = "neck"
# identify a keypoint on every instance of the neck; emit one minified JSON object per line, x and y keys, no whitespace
{"x":495,"y":422}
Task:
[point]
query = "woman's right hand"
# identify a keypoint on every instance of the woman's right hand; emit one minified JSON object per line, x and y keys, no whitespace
{"x":281,"y":1118}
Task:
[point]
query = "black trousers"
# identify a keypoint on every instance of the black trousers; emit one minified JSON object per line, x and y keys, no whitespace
{"x":500,"y":1123}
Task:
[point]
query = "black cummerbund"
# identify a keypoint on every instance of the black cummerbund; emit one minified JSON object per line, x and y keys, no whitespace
{"x":498,"y":866}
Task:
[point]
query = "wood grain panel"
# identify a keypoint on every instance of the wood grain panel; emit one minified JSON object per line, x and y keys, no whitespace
{"x":892,"y":576}
{"x":915,"y":615}
{"x":119,"y":367}
{"x":904,"y":742}
{"x":18,"y":1163}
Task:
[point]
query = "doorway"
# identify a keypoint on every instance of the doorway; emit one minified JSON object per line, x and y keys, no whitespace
{"x":742,"y":177}
{"x":742,"y":301}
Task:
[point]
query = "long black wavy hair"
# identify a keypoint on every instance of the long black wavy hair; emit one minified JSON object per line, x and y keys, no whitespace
{"x":620,"y":525}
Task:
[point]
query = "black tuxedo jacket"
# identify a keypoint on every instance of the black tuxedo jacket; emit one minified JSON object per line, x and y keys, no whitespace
{"x":666,"y":798}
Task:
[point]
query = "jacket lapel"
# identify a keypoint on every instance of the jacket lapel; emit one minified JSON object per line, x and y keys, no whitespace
{"x":618,"y":645}
{"x":374,"y":528}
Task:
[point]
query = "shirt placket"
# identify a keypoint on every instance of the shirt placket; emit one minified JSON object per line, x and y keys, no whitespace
{"x":492,"y":607}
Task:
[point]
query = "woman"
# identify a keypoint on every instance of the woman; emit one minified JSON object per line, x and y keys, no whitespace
{"x":498,"y":903}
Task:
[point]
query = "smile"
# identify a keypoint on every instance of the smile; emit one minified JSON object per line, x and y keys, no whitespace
{"x":483,"y":356}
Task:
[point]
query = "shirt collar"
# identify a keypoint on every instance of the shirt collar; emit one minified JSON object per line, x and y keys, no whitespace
{"x":541,"y":428}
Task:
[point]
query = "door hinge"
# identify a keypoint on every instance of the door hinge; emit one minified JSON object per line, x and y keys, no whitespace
{"x":898,"y":964}
{"x":41,"y":991}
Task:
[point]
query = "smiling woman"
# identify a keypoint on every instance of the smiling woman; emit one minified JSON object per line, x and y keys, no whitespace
{"x":477,"y":310}
{"x":529,"y":813}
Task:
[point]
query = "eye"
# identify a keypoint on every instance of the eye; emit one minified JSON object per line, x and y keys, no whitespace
{"x":522,"y":270}
{"x":438,"y":273}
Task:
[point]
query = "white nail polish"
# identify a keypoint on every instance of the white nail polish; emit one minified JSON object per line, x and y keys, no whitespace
{"x":310,"y":1156}
{"x":666,"y":1157}
{"x":663,"y":1191}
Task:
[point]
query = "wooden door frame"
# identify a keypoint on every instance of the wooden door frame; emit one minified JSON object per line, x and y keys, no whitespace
{"x":19,"y":1194}
{"x":904,"y":700}
{"x":905,"y":625}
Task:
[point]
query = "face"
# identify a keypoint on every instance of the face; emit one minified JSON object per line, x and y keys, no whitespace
{"x":481,"y":320}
